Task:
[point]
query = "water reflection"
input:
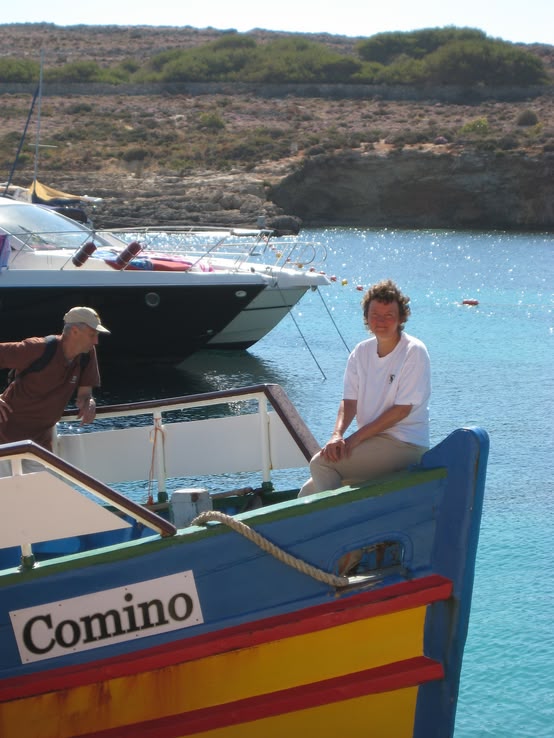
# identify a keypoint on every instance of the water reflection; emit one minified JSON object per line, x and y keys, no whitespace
{"x":205,"y":371}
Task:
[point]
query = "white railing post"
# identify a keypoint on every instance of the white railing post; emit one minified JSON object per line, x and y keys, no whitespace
{"x":265,"y":441}
{"x":27,"y":556}
{"x":158,"y":457}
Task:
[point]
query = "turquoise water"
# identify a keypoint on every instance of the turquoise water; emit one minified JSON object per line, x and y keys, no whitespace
{"x":492,"y":366}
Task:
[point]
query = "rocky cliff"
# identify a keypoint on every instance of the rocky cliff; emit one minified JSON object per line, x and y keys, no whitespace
{"x":408,"y":188}
{"x":429,"y":188}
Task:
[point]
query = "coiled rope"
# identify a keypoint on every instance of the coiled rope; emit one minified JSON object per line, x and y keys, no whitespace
{"x":244,"y":530}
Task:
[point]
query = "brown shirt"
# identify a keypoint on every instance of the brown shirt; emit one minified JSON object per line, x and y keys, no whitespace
{"x":38,"y":399}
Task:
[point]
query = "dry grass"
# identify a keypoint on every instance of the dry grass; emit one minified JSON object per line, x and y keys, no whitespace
{"x":178,"y":135}
{"x":183,"y":134}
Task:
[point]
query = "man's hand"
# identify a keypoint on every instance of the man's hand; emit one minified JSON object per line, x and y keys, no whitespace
{"x":87,"y":409}
{"x":5,"y":410}
{"x":335,"y":449}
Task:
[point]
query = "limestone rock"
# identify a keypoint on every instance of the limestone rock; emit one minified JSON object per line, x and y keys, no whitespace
{"x":382,"y":187}
{"x":422,"y":189}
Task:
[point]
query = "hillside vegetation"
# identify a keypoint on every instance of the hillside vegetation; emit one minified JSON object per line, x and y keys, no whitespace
{"x":439,"y":56}
{"x":184,"y":103}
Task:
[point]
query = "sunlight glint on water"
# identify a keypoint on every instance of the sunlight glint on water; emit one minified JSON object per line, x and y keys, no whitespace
{"x":492,"y":366}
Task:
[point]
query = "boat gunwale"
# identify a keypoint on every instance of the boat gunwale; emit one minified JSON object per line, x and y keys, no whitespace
{"x":271,"y":514}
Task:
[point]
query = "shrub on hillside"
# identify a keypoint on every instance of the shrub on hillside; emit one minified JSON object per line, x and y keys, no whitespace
{"x":508,"y":142}
{"x":211,"y":122}
{"x":483,"y":62}
{"x":78,"y":108}
{"x":385,"y":48}
{"x":451,"y":55}
{"x":86,"y":71}
{"x":527,"y":118}
{"x":18,"y":70}
{"x":478,"y":126}
{"x":460,"y":56}
{"x":135,"y":154}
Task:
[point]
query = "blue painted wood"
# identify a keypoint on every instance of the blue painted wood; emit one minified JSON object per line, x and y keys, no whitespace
{"x":465,"y":455}
{"x":433,"y":512}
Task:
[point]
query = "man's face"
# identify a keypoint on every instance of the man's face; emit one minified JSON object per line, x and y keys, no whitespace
{"x":383,"y":319}
{"x":86,"y":338}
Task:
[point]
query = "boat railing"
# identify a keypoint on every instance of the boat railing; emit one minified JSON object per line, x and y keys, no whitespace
{"x":256,"y":430}
{"x":25,"y":240}
{"x":238,"y":246}
{"x":230,"y":249}
{"x":42,"y":484}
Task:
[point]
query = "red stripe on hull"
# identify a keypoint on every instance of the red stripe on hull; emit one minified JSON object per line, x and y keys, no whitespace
{"x":409,"y":673}
{"x":395,"y":598}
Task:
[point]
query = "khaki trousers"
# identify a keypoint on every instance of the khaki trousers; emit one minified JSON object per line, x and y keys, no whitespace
{"x":373,"y":458}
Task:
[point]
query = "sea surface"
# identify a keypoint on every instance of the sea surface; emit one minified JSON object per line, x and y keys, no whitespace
{"x":493,"y":367}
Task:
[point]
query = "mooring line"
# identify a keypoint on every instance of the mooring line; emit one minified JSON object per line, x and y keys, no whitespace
{"x":333,"y":320}
{"x":307,"y":345}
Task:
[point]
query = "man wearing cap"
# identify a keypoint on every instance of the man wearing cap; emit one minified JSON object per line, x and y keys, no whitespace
{"x":34,"y":402}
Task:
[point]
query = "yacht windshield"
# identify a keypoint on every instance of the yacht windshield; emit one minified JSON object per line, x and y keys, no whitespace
{"x":38,"y":227}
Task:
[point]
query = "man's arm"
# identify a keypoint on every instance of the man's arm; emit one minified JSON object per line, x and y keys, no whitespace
{"x":386,"y":420}
{"x":5,"y":410}
{"x":86,"y":404}
{"x":335,"y":448}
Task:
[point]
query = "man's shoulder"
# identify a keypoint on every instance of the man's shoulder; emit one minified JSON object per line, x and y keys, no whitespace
{"x":412,"y":341}
{"x":414,"y":349}
{"x":360,"y":356}
{"x":364,"y":345}
{"x":39,"y":345}
{"x":33,"y":341}
{"x":19,"y":354}
{"x":27,"y":346}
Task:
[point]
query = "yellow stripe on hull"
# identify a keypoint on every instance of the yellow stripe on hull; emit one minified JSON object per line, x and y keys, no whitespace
{"x":225,"y":678}
{"x":387,"y":715}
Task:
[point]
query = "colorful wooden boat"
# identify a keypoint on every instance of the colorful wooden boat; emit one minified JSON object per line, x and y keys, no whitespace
{"x":344,"y":613}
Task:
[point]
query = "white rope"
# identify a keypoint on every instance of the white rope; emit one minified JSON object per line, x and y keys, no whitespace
{"x":270,"y":548}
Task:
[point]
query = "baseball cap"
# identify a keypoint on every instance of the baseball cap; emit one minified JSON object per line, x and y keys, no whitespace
{"x":85,"y":315}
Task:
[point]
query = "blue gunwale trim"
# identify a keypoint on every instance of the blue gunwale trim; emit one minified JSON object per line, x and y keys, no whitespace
{"x":273,"y":513}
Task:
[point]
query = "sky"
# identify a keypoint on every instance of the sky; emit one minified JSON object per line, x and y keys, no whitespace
{"x":510,"y":20}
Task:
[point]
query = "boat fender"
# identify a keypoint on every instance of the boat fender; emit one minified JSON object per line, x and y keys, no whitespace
{"x":80,"y":256}
{"x":127,"y":255}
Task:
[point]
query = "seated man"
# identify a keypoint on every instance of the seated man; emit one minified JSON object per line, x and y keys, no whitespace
{"x":387,"y":385}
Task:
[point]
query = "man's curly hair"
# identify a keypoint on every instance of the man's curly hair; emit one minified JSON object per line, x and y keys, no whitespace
{"x":387,"y":291}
